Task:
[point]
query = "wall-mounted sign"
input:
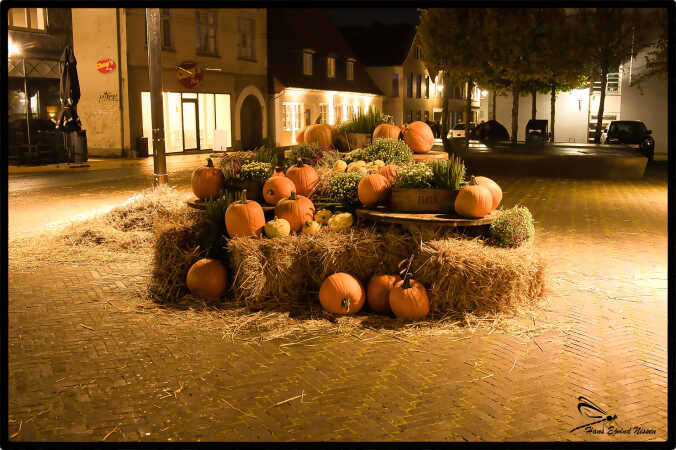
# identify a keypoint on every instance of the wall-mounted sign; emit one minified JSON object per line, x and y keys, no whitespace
{"x":105,"y":65}
{"x":189,"y":74}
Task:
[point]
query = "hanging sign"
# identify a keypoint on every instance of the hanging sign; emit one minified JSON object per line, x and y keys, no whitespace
{"x":105,"y":65}
{"x":189,"y":74}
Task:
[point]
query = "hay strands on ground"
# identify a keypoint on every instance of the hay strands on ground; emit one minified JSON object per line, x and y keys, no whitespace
{"x":300,"y":396}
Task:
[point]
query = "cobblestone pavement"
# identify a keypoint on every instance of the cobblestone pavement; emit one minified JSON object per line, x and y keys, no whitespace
{"x":84,"y":367}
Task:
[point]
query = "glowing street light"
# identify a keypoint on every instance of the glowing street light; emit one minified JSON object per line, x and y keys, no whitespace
{"x":484,"y":93}
{"x":12,"y":48}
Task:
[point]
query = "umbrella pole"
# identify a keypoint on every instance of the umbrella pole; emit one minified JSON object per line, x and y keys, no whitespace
{"x":155,"y":71}
{"x":28,"y":102}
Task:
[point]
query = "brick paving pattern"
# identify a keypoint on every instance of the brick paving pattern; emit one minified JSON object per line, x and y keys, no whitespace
{"x":82,"y":367}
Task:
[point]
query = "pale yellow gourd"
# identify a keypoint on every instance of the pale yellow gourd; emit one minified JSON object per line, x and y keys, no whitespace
{"x":277,"y":227}
{"x":339,"y":166}
{"x":379,"y":162}
{"x":322,"y":216}
{"x":311,"y":227}
{"x":341,"y":221}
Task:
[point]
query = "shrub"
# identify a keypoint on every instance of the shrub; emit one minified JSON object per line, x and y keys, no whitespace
{"x":415,"y":176}
{"x":391,"y":151}
{"x":266,"y":154}
{"x":255,"y":171}
{"x":343,"y":188}
{"x":309,"y":153}
{"x":513,"y":227}
{"x":448,"y":174}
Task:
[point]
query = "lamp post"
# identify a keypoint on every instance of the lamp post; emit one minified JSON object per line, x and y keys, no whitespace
{"x":155,"y":72}
{"x":13,"y":50}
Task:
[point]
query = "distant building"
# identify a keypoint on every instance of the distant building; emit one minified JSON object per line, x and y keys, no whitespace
{"x":314,"y":75}
{"x":393,"y":57}
{"x":36,"y":39}
{"x":214,"y":78}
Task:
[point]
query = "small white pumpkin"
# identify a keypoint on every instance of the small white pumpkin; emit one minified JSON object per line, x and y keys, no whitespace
{"x":341,"y":221}
{"x":311,"y":227}
{"x":339,"y":166}
{"x":322,"y":216}
{"x":379,"y":162}
{"x":277,"y":227}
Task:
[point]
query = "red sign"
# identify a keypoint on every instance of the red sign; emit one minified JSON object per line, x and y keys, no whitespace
{"x":105,"y":65}
{"x":189,"y":74}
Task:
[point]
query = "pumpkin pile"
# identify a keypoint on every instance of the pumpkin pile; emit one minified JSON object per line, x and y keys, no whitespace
{"x":480,"y":197}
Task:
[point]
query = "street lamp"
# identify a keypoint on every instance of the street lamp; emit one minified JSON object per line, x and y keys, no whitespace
{"x":484,"y":93}
{"x":12,"y":48}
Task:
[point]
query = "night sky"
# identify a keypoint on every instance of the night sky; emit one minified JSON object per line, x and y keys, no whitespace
{"x":365,"y":16}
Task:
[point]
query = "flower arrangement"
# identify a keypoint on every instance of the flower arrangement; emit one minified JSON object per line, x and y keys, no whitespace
{"x":391,"y":151}
{"x":362,"y":123}
{"x":255,"y":171}
{"x":342,"y":188}
{"x":415,"y":176}
{"x":231,"y":164}
{"x":513,"y":227}
{"x":448,"y":174}
{"x":309,"y":153}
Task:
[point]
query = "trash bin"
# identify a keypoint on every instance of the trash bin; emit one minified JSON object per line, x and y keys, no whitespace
{"x":76,"y":146}
{"x":141,"y":147}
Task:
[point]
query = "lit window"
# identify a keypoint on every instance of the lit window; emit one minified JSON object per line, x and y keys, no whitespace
{"x":307,"y":62}
{"x":350,"y":70}
{"x":31,"y":18}
{"x":245,"y":31}
{"x":331,"y":67}
{"x":350,"y":112}
{"x":323,"y":113}
{"x":206,"y":32}
{"x":338,"y":113}
{"x":292,"y":116}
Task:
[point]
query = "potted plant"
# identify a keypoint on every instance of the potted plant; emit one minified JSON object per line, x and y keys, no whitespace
{"x":428,"y":187}
{"x":356,"y":133}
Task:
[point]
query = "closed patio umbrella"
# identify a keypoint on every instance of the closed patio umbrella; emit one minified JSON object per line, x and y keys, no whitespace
{"x":69,"y":91}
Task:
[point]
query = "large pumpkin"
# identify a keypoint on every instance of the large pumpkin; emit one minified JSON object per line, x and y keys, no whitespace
{"x":408,"y":300}
{"x":296,"y":209}
{"x":373,"y":189}
{"x":244,"y":218}
{"x":304,"y":177}
{"x":300,"y":136}
{"x":419,"y":137}
{"x":277,"y":188}
{"x":341,"y":293}
{"x":386,"y":130}
{"x":390,"y":171}
{"x":207,"y":278}
{"x":473,"y":200}
{"x":320,"y":133}
{"x":493,"y":187}
{"x":378,"y":292}
{"x":207,"y":181}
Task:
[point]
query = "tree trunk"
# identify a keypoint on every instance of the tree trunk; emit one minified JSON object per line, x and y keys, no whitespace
{"x":553,"y":114}
{"x":495,"y":98}
{"x":533,"y":110}
{"x":516,"y":92}
{"x":468,"y":111}
{"x":445,"y":113}
{"x":599,"y":116}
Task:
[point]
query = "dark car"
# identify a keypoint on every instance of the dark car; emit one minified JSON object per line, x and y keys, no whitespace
{"x":490,"y":131}
{"x":630,"y":132}
{"x":536,"y":131}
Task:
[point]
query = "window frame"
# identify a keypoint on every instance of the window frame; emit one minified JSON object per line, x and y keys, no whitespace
{"x":324,"y":113}
{"x":418,"y":83}
{"x":427,"y":86}
{"x":409,"y":85}
{"x":349,"y":69}
{"x":287,"y":115}
{"x":331,"y":64}
{"x":198,"y":16}
{"x":310,"y":53}
{"x":28,"y":28}
{"x":240,"y":22}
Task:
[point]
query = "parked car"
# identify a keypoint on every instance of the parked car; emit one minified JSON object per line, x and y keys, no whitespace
{"x":633,"y":133}
{"x":536,"y":131}
{"x":458,"y":131}
{"x":491,"y":131}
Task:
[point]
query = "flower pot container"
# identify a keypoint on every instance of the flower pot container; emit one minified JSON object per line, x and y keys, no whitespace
{"x":423,"y":200}
{"x":254,"y":189}
{"x":346,"y":142}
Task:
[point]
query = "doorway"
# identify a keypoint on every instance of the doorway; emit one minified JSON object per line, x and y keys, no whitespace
{"x":251,"y":123}
{"x":191,"y":134}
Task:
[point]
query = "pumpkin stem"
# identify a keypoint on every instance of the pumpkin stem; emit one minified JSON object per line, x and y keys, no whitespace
{"x":293,"y":196}
{"x":210,"y":163}
{"x":244,"y":200}
{"x":407,"y":274}
{"x":300,"y":162}
{"x":345,"y":303}
{"x":472,"y":181}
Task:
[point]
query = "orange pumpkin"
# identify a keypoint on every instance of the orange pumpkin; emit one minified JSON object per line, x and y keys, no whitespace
{"x":207,"y":181}
{"x":341,"y":293}
{"x":296,"y":210}
{"x":244,"y":218}
{"x":386,"y":130}
{"x":408,"y":300}
{"x":378,"y":292}
{"x":277,"y":188}
{"x":390,"y":171}
{"x":300,"y":137}
{"x":304,"y":177}
{"x":320,"y":133}
{"x":474,"y":200}
{"x":373,"y":189}
{"x":493,"y":187}
{"x":419,"y":137}
{"x":207,"y":278}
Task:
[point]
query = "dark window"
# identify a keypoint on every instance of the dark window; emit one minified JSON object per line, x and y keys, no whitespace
{"x":395,"y":85}
{"x":206,"y":32}
{"x":419,"y":86}
{"x":427,"y":87}
{"x":245,"y":31}
{"x":308,"y":120}
{"x":349,"y":70}
{"x":165,"y":28}
{"x":410,"y":116}
{"x":418,"y":115}
{"x":409,"y":86}
{"x":457,"y":92}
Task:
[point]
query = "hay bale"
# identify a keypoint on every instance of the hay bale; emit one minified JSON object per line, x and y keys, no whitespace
{"x":471,"y":276}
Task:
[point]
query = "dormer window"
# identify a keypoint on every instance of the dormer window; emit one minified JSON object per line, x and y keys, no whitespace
{"x":418,"y":52}
{"x":350,"y":69}
{"x":331,"y":67}
{"x":307,"y":62}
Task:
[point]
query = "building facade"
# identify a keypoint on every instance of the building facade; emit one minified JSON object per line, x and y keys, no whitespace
{"x":314,"y":76}
{"x":214,"y":78}
{"x":36,"y":40}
